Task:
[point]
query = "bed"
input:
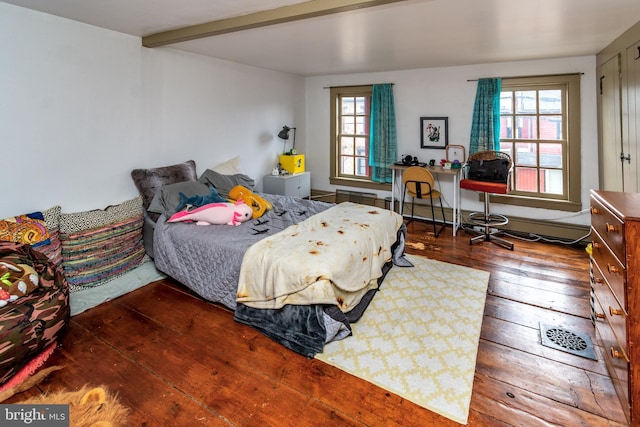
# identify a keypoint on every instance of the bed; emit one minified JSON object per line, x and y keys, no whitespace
{"x":304,"y":307}
{"x":207,"y":259}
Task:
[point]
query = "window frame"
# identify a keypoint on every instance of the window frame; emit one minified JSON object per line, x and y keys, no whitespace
{"x":335,"y":177}
{"x":571,"y":153}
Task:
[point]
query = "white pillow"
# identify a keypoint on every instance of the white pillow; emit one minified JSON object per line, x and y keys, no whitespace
{"x":230,"y":167}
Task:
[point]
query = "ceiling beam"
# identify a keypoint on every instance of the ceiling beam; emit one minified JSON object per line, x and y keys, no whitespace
{"x":295,"y":12}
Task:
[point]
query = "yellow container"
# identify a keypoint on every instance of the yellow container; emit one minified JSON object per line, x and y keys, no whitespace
{"x":292,"y":163}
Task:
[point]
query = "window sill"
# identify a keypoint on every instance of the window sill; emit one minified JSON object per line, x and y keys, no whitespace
{"x":558,"y":205}
{"x":359,"y":184}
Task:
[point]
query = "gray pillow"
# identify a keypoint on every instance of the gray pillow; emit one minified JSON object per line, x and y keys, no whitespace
{"x":224,"y":183}
{"x":149,"y":181}
{"x":167,"y":199}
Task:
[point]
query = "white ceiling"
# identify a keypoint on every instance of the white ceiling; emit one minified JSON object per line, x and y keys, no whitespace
{"x":405,"y":35}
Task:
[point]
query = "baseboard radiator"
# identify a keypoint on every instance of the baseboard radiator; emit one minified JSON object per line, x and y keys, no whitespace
{"x":370,"y":199}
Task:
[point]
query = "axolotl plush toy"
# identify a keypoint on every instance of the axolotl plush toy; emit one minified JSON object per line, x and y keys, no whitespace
{"x":216,"y":213}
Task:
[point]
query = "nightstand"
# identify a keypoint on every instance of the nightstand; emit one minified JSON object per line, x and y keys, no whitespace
{"x":297,"y":185}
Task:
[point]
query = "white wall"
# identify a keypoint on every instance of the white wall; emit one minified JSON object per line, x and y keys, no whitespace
{"x":82,"y":106}
{"x":211,"y":110}
{"x":446,"y":92}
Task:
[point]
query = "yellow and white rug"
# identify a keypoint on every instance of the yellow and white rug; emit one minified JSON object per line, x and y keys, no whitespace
{"x":419,"y":337}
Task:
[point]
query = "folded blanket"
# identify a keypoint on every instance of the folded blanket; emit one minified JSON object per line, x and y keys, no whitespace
{"x":333,"y":258}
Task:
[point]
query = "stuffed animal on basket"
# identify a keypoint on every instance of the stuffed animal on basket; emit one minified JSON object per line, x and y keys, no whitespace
{"x":216,"y":213}
{"x":16,"y":280}
{"x":88,"y":407}
{"x":257,"y":203}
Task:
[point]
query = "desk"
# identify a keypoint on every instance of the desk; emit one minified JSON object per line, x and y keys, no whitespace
{"x":435,"y":170}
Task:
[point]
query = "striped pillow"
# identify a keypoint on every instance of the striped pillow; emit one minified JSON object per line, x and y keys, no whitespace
{"x":100,"y":245}
{"x":53,"y":250}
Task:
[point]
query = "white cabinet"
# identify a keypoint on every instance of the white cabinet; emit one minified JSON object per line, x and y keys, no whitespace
{"x":631,"y":120}
{"x":619,"y":113}
{"x":297,"y":185}
{"x":611,"y":125}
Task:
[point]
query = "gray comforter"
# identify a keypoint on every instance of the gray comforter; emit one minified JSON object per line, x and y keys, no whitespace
{"x":207,"y":259}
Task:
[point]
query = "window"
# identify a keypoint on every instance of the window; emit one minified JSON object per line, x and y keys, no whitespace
{"x":349,"y":143}
{"x":540,"y":130}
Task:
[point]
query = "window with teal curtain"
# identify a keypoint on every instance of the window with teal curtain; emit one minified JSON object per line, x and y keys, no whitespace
{"x":485,"y":126}
{"x":382,"y":133}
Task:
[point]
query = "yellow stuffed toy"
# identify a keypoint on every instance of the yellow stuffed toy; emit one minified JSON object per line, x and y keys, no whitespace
{"x":88,"y":407}
{"x":257,"y":203}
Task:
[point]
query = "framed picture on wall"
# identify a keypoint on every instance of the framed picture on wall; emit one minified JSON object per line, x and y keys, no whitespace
{"x":434,"y":132}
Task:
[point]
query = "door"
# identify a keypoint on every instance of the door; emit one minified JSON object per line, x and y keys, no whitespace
{"x":631,"y":129}
{"x":611,"y":147}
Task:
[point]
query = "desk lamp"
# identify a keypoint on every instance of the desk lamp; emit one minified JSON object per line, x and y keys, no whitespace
{"x":284,"y":135}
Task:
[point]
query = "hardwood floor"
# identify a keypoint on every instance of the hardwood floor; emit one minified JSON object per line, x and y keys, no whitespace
{"x":176,"y":360}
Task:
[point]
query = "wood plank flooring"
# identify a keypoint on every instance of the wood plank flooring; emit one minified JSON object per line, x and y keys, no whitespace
{"x":176,"y":360}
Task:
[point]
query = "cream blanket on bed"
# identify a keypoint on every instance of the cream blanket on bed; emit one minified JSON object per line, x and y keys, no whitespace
{"x":334,"y":257}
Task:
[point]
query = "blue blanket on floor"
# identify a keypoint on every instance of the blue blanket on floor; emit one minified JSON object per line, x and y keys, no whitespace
{"x":305,"y":329}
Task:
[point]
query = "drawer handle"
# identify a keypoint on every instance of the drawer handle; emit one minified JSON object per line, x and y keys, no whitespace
{"x":618,"y":354}
{"x":611,"y":228}
{"x":612,"y":268}
{"x":598,"y":280}
{"x":595,"y":211}
{"x":595,"y":245}
{"x":600,"y":315}
{"x":615,"y":312}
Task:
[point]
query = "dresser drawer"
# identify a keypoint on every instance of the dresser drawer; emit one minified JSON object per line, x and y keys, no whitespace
{"x":615,"y":237}
{"x":609,"y":268}
{"x":610,"y":228}
{"x":610,"y":308}
{"x":615,"y":358}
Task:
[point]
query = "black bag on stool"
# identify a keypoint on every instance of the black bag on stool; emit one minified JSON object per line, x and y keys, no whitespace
{"x":489,"y":170}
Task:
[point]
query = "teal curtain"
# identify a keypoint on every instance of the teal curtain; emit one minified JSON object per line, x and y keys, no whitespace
{"x":382,"y":133}
{"x":485,"y":127}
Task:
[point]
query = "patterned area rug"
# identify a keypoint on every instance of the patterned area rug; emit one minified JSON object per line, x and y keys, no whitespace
{"x":419,"y":337}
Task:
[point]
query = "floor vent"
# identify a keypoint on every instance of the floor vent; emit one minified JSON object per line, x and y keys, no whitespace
{"x":567,"y":341}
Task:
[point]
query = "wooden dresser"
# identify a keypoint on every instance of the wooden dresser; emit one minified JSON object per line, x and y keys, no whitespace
{"x":615,"y":264}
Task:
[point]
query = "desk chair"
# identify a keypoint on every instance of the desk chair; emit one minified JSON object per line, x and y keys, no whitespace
{"x":418,"y":183}
{"x":488,"y":172}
